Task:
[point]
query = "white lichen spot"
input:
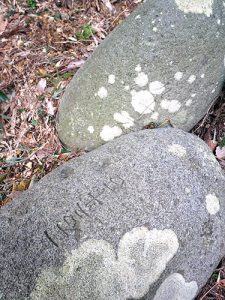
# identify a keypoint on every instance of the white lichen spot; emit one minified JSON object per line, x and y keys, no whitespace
{"x":212,"y":204}
{"x":188,"y":102}
{"x":138,"y":68}
{"x":171,"y":105}
{"x":172,"y":26}
{"x":137,"y":17}
{"x":175,"y":287}
{"x":127,"y":87}
{"x":190,"y":59}
{"x":178,"y":75}
{"x":102,"y":92}
{"x":143,"y":102}
{"x":218,"y":21}
{"x":111,"y":79}
{"x":193,"y":95}
{"x":91,"y":129}
{"x":141,"y":79}
{"x":177,"y":150}
{"x":197,"y":7}
{"x":141,"y":258}
{"x":153,"y":22}
{"x":187,"y":191}
{"x":202,"y":75}
{"x":108,"y":133}
{"x":155,"y":29}
{"x":156,"y":87}
{"x":191,"y":79}
{"x":213,"y":91}
{"x":124,"y":118}
{"x":155,"y":116}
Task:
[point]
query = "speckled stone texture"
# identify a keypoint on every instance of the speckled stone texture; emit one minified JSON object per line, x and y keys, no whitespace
{"x":166,"y":61}
{"x":139,"y":217}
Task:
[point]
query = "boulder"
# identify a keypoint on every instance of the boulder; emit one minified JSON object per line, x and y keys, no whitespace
{"x":166,"y":61}
{"x":141,"y":217}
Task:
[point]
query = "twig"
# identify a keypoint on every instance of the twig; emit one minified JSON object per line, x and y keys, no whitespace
{"x":208,"y":291}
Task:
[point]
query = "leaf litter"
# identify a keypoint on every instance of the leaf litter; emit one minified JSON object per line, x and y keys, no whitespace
{"x":42,"y":45}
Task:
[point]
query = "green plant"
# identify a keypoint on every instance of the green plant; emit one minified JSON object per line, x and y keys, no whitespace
{"x":20,"y":110}
{"x":32,"y":3}
{"x":2,"y":196}
{"x":222,"y":143}
{"x":67,"y":75}
{"x":3,"y":96}
{"x":86,"y":32}
{"x":34,"y":122}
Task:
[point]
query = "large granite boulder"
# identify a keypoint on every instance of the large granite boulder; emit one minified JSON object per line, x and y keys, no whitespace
{"x":166,"y":61}
{"x":141,"y":217}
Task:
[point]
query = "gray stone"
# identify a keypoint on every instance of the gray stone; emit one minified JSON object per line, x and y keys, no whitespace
{"x":166,"y":61}
{"x":140,"y":217}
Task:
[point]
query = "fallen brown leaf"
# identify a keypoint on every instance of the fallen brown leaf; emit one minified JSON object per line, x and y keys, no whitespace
{"x":220,"y":152}
{"x":3,"y":24}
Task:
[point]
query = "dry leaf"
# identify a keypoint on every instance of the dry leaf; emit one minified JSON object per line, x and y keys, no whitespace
{"x":42,"y":71}
{"x":110,"y":7}
{"x":3,"y":24}
{"x":212,"y":144}
{"x":220,"y":152}
{"x":50,"y":108}
{"x":222,"y":282}
{"x":21,"y":186}
{"x":41,"y":85}
{"x":75,"y":64}
{"x":29,"y":165}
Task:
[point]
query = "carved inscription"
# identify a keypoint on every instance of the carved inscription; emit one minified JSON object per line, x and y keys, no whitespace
{"x":69,"y":225}
{"x":85,"y":206}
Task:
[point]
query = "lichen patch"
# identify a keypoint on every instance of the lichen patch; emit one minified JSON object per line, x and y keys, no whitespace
{"x":124,"y":118}
{"x":178,"y":76}
{"x":155,"y":116}
{"x":142,"y":101}
{"x":171,"y":105}
{"x":188,"y":102}
{"x":102,"y":92}
{"x":175,"y":287}
{"x":177,"y":150}
{"x":156,"y":87}
{"x":191,"y":79}
{"x":196,"y":7}
{"x":94,"y":271}
{"x":141,"y":79}
{"x":212,"y":204}
{"x":91,"y":129}
{"x":111,"y":79}
{"x":108,"y":133}
{"x":138,"y":68}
